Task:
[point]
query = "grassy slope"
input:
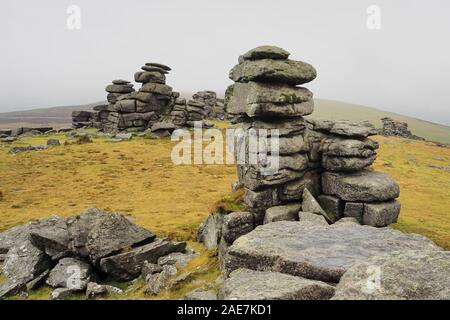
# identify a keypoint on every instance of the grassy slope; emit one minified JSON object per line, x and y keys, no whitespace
{"x":138,"y":178}
{"x":335,"y":110}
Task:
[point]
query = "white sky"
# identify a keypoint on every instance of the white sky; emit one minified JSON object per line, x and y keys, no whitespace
{"x":404,"y":67}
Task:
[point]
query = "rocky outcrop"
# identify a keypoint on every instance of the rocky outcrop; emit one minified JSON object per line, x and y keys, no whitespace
{"x":316,"y":251}
{"x":284,"y":160}
{"x":395,"y":128}
{"x":411,"y":275}
{"x":68,"y":254}
{"x":244,"y":284}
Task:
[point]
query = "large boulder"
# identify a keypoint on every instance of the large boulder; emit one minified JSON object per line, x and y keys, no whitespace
{"x":51,"y":236}
{"x":113,"y":233}
{"x":412,"y":275}
{"x":366,"y":186}
{"x":244,"y":284}
{"x":273,"y":71}
{"x":237,"y":224}
{"x":11,"y":287}
{"x":25,"y":262}
{"x":128,"y":265}
{"x":316,"y":251}
{"x":70,"y":273}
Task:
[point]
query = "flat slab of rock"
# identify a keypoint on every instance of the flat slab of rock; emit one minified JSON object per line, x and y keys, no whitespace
{"x":128,"y":265}
{"x":266,"y":52}
{"x":366,"y":186}
{"x":412,"y":275}
{"x":244,"y":284}
{"x":273,"y":71}
{"x":25,"y":262}
{"x":316,"y":251}
{"x":113,"y":233}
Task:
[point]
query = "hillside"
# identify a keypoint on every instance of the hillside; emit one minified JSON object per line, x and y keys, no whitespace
{"x":324,"y":109}
{"x":336,"y":110}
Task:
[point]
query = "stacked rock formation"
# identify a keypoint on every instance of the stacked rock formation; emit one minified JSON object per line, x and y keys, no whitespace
{"x":397,"y":128}
{"x":322,"y":165}
{"x":214,"y":106}
{"x":140,"y":109}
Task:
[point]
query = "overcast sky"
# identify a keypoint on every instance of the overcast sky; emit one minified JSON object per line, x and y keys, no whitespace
{"x":403,"y":67}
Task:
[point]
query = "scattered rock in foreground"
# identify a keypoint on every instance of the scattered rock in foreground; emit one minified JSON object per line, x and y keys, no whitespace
{"x":412,"y":275}
{"x":244,"y":284}
{"x":316,"y":251}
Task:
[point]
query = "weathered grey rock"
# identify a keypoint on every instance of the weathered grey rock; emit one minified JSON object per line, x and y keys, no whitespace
{"x":340,"y":147}
{"x":331,"y":205}
{"x":61,"y":294}
{"x":315,"y":251}
{"x":266,"y":52}
{"x":246,"y":284}
{"x":366,"y":186}
{"x":51,"y":236}
{"x":25,"y":262}
{"x":38,"y":281}
{"x":115,"y":88}
{"x":282,"y":213}
{"x":52,"y":230}
{"x":236,"y":224}
{"x":150,"y":268}
{"x":154,"y":69}
{"x":158,"y":281}
{"x":273,"y":71}
{"x":182,"y":278}
{"x":53,"y":142}
{"x":11,"y":287}
{"x":71,"y":273}
{"x":163,"y":125}
{"x":113,"y":233}
{"x":310,"y":217}
{"x":158,"y":88}
{"x":199,"y":294}
{"x":293,"y":191}
{"x":145,"y":76}
{"x":345,"y":128}
{"x":354,"y":210}
{"x":79,"y":228}
{"x":346,"y":164}
{"x":256,"y":177}
{"x":411,"y":275}
{"x":95,"y":290}
{"x":381,"y":214}
{"x":310,"y":204}
{"x":178,"y":259}
{"x":158,"y":65}
{"x":210,"y":231}
{"x":270,"y":100}
{"x":120,"y":81}
{"x":126,"y":106}
{"x":286,"y":128}
{"x":128,"y":265}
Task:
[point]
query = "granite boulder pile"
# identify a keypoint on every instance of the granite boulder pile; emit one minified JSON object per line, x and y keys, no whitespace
{"x":75,"y":254}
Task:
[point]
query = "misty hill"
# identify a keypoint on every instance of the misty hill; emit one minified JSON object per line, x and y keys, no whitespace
{"x":336,"y":110}
{"x":324,"y":109}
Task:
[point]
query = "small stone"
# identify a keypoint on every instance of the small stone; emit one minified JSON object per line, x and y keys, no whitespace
{"x":266,"y":52}
{"x":236,"y":224}
{"x":53,"y":142}
{"x":70,"y":273}
{"x":354,"y":210}
{"x":381,"y":214}
{"x":331,"y":205}
{"x":310,"y":204}
{"x":282,"y":213}
{"x":61,"y":294}
{"x":199,"y":294}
